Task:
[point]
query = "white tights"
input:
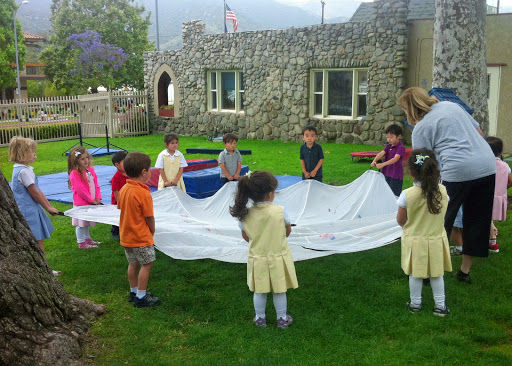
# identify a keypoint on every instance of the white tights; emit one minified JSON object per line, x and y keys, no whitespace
{"x":260,"y":303}
{"x":82,"y":233}
{"x":437,"y":284}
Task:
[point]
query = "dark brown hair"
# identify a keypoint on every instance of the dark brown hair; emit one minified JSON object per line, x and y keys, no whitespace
{"x":135,"y":163}
{"x":228,"y":137}
{"x":256,"y":187}
{"x":170,"y":137}
{"x":424,"y":168}
{"x":496,"y":145}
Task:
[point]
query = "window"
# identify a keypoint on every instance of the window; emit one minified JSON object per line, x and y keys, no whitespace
{"x":339,"y":92}
{"x":226,"y":91}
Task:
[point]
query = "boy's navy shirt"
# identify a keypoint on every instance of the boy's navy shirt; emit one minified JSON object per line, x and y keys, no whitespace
{"x":311,"y":157}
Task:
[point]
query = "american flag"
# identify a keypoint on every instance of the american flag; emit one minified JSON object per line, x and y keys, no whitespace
{"x":231,"y":16}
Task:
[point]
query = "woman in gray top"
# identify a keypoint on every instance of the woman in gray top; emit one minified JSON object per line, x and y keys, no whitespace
{"x":467,"y":164}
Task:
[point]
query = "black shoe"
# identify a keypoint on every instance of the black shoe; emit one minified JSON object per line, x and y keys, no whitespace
{"x":463,"y":277}
{"x":146,"y":301}
{"x":132,"y":296}
{"x":441,"y":312}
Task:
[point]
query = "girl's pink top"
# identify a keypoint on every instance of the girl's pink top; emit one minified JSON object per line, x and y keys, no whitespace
{"x":81,"y":190}
{"x":500,"y":191}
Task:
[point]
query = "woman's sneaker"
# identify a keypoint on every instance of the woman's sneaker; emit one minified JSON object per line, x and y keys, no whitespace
{"x":284,"y":323}
{"x":413,"y":308}
{"x":494,"y":248}
{"x":85,"y":245}
{"x":441,"y":312}
{"x":260,"y":322}
{"x":146,"y":301}
{"x":463,"y":277}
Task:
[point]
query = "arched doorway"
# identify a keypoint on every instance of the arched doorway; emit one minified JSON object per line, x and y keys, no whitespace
{"x":165,"y":93}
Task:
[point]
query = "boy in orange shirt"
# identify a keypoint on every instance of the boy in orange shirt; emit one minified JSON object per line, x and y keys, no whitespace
{"x":136,"y":228}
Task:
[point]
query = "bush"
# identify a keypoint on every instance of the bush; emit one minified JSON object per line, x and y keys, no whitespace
{"x":59,"y":130}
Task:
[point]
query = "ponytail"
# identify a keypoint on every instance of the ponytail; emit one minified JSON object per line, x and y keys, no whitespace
{"x":255,"y":187}
{"x":424,"y":168}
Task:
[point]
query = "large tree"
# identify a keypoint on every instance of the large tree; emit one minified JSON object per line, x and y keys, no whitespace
{"x":8,"y":53}
{"x":121,"y":23}
{"x":460,"y":52}
{"x":40,"y":323}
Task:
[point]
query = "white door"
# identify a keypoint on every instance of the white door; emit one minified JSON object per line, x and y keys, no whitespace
{"x":493,"y":96}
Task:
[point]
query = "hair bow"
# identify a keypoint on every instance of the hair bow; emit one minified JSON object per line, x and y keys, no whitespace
{"x":420,"y":159}
{"x":77,"y":154}
{"x":248,"y":174}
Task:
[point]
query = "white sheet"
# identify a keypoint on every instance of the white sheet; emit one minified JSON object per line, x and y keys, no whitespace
{"x":330,"y":219}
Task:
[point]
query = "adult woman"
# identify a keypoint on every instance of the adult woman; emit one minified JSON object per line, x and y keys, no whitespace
{"x":467,"y":165}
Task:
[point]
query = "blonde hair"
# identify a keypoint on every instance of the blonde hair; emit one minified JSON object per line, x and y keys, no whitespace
{"x":416,"y":103}
{"x":20,"y":149}
{"x":75,"y":154}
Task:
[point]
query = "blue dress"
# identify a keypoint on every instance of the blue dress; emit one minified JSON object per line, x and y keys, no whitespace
{"x":35,"y":215}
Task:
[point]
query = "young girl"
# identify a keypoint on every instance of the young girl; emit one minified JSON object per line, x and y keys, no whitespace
{"x":503,"y":181}
{"x":86,"y":191}
{"x":29,"y":197}
{"x":265,"y":226}
{"x":171,"y":164}
{"x":421,"y":211}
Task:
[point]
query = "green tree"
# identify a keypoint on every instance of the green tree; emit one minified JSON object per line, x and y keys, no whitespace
{"x":121,"y":23}
{"x":8,"y":54}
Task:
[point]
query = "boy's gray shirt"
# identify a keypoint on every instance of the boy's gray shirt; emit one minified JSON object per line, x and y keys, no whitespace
{"x":230,"y":161}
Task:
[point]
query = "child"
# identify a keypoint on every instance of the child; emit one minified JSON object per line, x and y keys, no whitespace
{"x":421,"y":213}
{"x":86,"y":191}
{"x":503,"y":182}
{"x":230,"y":160}
{"x":311,"y":155}
{"x":393,"y":154}
{"x":265,"y":226}
{"x":118,"y":181}
{"x":171,"y":163}
{"x":28,"y":196}
{"x":137,"y":227}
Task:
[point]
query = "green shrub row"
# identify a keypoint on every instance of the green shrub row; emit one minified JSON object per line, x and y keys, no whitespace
{"x":40,"y":132}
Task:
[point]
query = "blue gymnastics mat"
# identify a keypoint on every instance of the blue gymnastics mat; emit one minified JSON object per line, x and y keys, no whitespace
{"x":199,"y":183}
{"x":214,"y":151}
{"x":99,"y":151}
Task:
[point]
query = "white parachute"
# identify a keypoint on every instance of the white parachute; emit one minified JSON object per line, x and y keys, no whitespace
{"x":329,"y":219}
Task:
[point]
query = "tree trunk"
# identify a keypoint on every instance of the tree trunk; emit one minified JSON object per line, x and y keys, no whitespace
{"x":40,"y":323}
{"x":460,"y":53}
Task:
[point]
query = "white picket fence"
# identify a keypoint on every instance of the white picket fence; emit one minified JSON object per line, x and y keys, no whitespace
{"x":59,"y":118}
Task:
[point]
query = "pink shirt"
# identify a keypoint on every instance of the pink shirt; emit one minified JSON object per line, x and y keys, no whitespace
{"x":81,"y":190}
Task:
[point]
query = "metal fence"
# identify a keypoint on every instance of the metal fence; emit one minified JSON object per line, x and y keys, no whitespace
{"x":115,"y":114}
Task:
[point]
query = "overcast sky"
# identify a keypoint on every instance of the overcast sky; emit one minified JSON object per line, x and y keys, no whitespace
{"x":345,"y":8}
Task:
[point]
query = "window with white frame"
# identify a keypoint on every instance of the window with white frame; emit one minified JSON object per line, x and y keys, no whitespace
{"x":339,"y":92}
{"x":226,"y":90}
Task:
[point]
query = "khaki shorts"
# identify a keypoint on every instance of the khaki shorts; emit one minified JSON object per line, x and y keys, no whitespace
{"x":142,"y":255}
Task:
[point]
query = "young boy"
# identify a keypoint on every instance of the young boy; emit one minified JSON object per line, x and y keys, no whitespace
{"x":311,"y":155}
{"x":171,"y":163}
{"x":117,"y":182}
{"x":393,"y":154}
{"x":230,"y":160}
{"x":137,"y":227}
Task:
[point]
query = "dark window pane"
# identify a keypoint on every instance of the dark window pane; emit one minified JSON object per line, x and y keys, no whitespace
{"x":241,"y":87}
{"x":214,"y":100}
{"x":340,"y":93}
{"x":228,"y":90}
{"x":361,"y":105}
{"x":318,"y":81}
{"x":213,"y":80}
{"x":242,"y":99}
{"x":362,"y":81}
{"x":318,"y":103}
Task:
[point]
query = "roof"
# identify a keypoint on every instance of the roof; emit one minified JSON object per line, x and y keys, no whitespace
{"x":418,"y":9}
{"x":34,"y":37}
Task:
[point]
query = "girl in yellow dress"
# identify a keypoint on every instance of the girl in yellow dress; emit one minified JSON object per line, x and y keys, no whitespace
{"x":171,"y":163}
{"x":265,"y":226}
{"x":421,"y":211}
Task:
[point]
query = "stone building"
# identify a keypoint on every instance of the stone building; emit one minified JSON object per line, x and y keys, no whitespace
{"x":343,"y":78}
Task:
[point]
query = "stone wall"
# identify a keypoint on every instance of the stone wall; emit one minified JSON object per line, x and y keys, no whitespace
{"x":276,"y":66}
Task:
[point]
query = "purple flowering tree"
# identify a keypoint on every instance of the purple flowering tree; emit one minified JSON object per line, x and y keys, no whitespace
{"x":95,"y":63}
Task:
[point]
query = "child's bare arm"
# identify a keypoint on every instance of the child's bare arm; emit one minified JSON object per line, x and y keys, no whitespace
{"x":116,"y":195}
{"x":225,"y":171}
{"x":303,"y":165}
{"x":401,"y":216}
{"x":178,"y":176}
{"x":40,"y":198}
{"x":244,"y":235}
{"x":238,"y":170}
{"x":378,"y":157}
{"x":150,"y":221}
{"x":288,"y":229}
{"x":318,"y":166}
{"x":389,"y":162}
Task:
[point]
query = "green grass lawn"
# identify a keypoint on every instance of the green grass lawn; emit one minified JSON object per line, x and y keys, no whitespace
{"x":349,"y":309}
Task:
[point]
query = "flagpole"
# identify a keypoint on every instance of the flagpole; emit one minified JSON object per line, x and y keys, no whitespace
{"x":225,"y":27}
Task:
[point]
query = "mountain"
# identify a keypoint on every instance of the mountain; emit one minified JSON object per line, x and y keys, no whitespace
{"x":251,"y":15}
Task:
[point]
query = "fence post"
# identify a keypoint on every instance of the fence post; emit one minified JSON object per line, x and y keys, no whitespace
{"x":110,"y":122}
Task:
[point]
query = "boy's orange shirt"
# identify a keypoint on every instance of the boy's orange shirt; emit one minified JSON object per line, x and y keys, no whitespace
{"x":135,"y":203}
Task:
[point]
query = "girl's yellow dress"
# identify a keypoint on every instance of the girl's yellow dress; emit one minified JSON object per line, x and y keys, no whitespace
{"x":425,"y":249}
{"x":171,"y":169}
{"x":270,"y":265}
